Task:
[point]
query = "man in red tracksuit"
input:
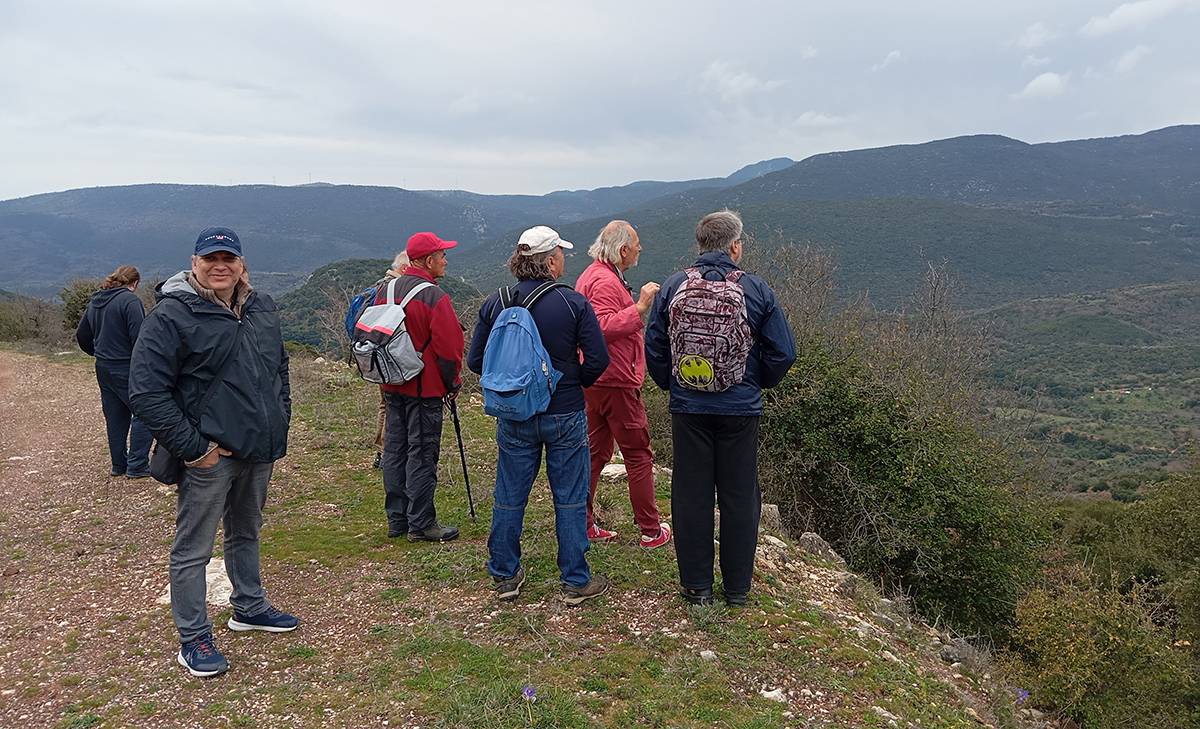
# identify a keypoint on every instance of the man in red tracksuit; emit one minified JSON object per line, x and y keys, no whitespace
{"x":412,"y":441}
{"x":614,"y":403}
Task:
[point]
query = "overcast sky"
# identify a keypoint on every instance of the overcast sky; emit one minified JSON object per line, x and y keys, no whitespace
{"x":532,"y":96}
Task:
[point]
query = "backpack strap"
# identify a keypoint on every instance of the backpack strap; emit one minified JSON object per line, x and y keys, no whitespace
{"x":506,"y":297}
{"x":734,"y":276}
{"x":540,"y":291}
{"x":411,"y":294}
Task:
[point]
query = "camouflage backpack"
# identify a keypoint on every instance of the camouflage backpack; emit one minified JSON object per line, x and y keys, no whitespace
{"x":709,"y":332}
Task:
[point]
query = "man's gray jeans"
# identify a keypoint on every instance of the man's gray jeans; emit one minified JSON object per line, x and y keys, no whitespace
{"x":233,"y":490}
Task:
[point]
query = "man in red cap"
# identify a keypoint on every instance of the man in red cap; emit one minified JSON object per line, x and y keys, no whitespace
{"x":412,"y":441}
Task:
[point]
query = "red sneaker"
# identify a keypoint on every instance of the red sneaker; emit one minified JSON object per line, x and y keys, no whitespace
{"x":664,"y":536}
{"x":596,"y":534}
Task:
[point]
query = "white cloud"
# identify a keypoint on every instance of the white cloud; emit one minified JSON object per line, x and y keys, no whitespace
{"x":808,"y":52}
{"x":733,"y":85}
{"x":1035,"y":35}
{"x":815,"y":120}
{"x":1032,"y":61}
{"x":1130,"y":59}
{"x":1131,"y":15}
{"x":1043,"y":87}
{"x":891,"y":58}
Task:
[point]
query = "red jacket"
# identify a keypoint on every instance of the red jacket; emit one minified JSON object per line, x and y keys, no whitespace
{"x":429,"y":311}
{"x":612,"y":298}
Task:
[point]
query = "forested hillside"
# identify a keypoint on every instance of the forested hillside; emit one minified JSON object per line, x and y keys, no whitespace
{"x":883,"y":246}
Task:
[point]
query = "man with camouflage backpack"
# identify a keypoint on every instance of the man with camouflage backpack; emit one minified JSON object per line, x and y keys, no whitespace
{"x":715,"y":338}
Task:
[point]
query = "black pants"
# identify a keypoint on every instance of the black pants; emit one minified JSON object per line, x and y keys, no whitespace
{"x":715,"y":454}
{"x":411,"y":446}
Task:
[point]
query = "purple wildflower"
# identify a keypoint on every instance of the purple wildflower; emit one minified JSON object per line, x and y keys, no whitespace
{"x":529,"y":693}
{"x":1022,"y":695}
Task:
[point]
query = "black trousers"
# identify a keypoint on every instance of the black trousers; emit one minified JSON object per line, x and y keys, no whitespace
{"x":411,"y":446}
{"x":715,"y":454}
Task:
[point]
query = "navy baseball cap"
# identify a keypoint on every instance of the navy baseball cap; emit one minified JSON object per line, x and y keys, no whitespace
{"x":212,"y":240}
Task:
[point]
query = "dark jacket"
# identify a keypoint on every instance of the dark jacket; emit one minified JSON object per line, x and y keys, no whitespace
{"x":771,"y":355}
{"x":568,"y":326}
{"x":110,"y":325}
{"x":430,"y":318}
{"x":183,"y":343}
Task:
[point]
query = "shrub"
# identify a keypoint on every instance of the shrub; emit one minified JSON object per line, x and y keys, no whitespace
{"x":13,"y":324}
{"x":1095,"y":655}
{"x":75,"y":297}
{"x":875,"y":439}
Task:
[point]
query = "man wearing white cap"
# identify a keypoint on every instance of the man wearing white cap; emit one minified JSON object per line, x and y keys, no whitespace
{"x":568,"y":327}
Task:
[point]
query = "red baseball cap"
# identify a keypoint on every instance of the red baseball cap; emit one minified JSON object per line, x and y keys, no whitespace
{"x":422,"y":244}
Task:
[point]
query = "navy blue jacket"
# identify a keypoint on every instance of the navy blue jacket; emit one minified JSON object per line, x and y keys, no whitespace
{"x":110,"y":325}
{"x":773,"y":351}
{"x":183,"y":342}
{"x":568,"y":326}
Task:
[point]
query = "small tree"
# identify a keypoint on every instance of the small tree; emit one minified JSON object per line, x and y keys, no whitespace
{"x":75,"y":297}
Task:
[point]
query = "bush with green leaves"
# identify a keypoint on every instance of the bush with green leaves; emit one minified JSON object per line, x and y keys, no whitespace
{"x":1095,"y":654}
{"x":13,"y":324}
{"x":75,"y":297}
{"x":876,"y":439}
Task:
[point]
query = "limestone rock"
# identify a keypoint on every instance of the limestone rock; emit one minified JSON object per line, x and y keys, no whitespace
{"x":613,"y":471}
{"x":770,"y":519}
{"x":812,"y":543}
{"x":847,"y":584}
{"x":708,"y":655}
{"x":773,"y":695}
{"x":217,"y":581}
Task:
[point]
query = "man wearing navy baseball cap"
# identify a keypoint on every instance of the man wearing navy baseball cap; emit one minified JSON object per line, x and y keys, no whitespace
{"x":412,"y":440}
{"x":209,"y":379}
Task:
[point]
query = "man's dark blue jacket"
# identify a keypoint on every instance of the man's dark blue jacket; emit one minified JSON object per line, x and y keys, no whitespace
{"x":110,"y":325}
{"x":183,"y":342}
{"x":568,"y":326}
{"x":773,"y":352}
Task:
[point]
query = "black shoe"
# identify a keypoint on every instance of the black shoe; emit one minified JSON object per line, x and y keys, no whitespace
{"x":378,"y":461}
{"x":509,"y":588}
{"x":576,"y":595}
{"x":396,"y":531}
{"x":697,"y":597}
{"x":434,"y":533}
{"x":737,"y":599}
{"x":115,"y":473}
{"x":137,"y":476}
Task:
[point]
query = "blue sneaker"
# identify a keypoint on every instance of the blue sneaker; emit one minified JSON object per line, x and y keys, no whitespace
{"x":201,"y":657}
{"x":270,"y":620}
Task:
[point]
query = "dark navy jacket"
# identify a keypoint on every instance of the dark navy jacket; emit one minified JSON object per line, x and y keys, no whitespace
{"x":183,"y":342}
{"x":110,"y":325}
{"x":772,"y":354}
{"x":568,"y":326}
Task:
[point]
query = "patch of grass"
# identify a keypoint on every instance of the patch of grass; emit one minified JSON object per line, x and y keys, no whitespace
{"x":303,"y":652}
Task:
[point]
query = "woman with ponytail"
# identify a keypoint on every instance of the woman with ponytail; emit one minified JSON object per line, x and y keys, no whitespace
{"x":107,"y":331}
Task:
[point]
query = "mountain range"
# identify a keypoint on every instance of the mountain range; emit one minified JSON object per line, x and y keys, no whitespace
{"x":1015,"y":219}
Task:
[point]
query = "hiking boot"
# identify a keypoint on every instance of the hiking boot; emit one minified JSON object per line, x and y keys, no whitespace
{"x":736,"y":599}
{"x":394,"y":532}
{"x":434,"y":533}
{"x":270,"y":620}
{"x":137,"y":476}
{"x":115,"y":473}
{"x":576,"y":595}
{"x":201,"y":657}
{"x":664,"y":536}
{"x":509,"y":588}
{"x":697,"y":597}
{"x":378,"y":461}
{"x":596,"y":534}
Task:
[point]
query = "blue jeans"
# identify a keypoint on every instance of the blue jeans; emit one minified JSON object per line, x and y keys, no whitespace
{"x":113,"y":378}
{"x":233,"y":490}
{"x":568,"y":466}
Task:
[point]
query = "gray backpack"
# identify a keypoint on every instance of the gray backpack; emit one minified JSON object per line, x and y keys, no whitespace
{"x":382,"y":347}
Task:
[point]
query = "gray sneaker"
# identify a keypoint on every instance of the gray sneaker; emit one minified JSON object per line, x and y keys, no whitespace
{"x":434,"y":533}
{"x":576,"y":595}
{"x":509,"y":588}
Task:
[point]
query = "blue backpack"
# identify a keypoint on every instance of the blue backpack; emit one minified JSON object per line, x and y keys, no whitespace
{"x":357,"y":306}
{"x":518,"y":377}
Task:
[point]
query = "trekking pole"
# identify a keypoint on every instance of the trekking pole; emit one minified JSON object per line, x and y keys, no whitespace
{"x":462,"y":452}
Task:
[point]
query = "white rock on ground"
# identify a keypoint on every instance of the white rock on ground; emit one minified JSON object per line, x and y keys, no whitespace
{"x":217,"y":579}
{"x":613,"y":471}
{"x":773,"y":695}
